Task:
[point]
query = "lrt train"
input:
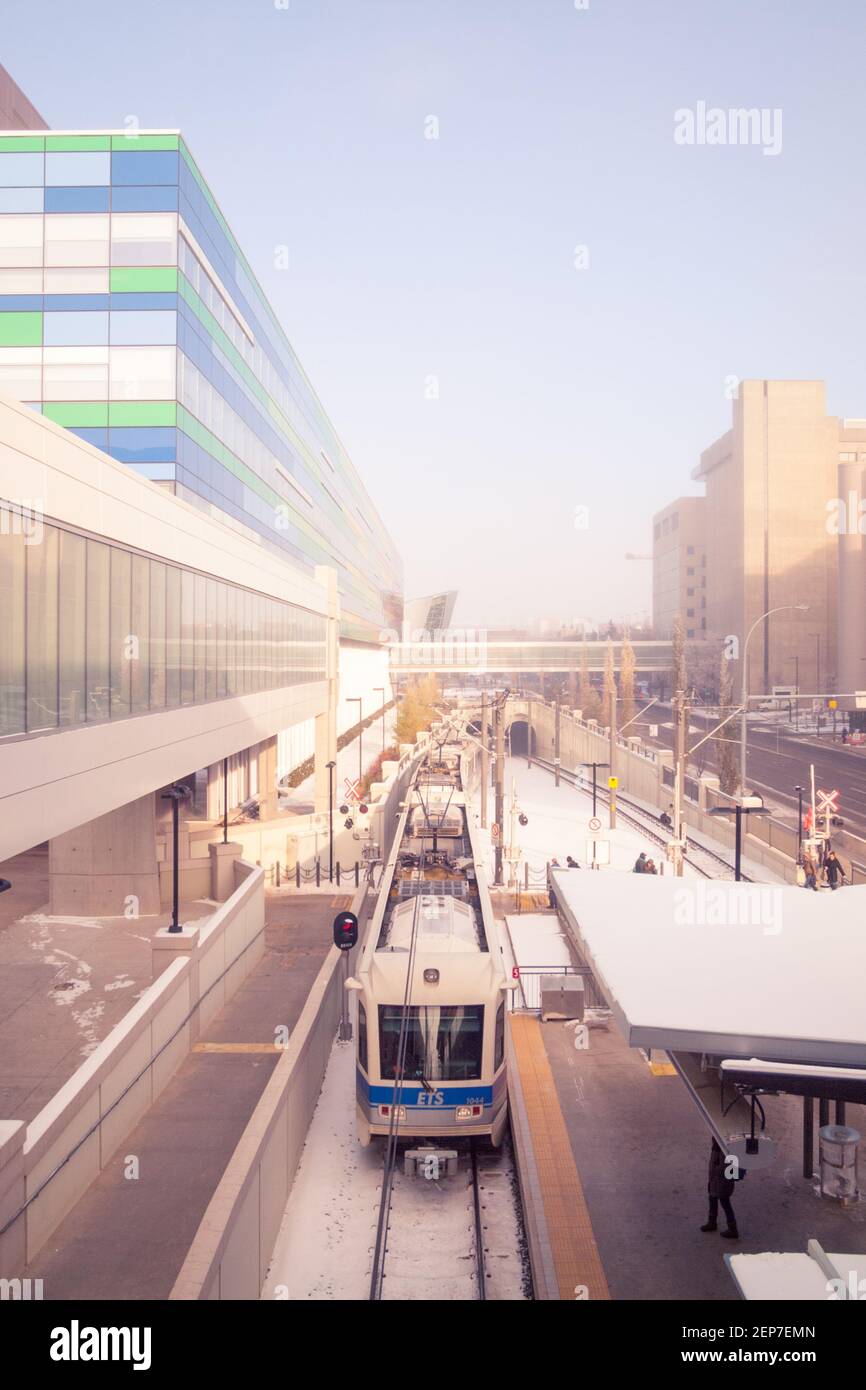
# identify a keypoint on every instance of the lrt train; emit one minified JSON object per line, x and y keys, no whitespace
{"x":431,"y":987}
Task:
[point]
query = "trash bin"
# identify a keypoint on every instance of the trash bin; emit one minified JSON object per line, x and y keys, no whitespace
{"x":837,"y":1153}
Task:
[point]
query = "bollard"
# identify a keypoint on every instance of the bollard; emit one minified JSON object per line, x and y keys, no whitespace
{"x":318,"y":873}
{"x":338,"y":873}
{"x":298,"y":874}
{"x":277,"y":873}
{"x":357,"y":875}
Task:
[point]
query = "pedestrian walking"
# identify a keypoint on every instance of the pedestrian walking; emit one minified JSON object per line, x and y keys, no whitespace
{"x":571,"y":863}
{"x":640,"y":863}
{"x":833,"y":870}
{"x":810,"y":870}
{"x":720,"y":1189}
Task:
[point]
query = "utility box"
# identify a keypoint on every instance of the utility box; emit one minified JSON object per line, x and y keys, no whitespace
{"x":561,"y":997}
{"x":837,"y":1154}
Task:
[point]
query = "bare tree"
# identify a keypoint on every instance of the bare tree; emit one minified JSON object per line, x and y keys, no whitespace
{"x":726,"y":739}
{"x":609,"y":686}
{"x":626,"y":681}
{"x":587,"y":693}
{"x":678,"y":673}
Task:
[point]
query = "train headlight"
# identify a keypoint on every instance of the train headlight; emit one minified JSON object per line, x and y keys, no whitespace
{"x":431,"y":977}
{"x":464,"y":1112}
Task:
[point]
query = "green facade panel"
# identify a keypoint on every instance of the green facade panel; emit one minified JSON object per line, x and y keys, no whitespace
{"x":20,"y":328}
{"x":77,"y":414}
{"x":142,"y":413}
{"x":77,"y":142}
{"x":144,"y":279}
{"x":144,"y":142}
{"x":22,"y":143}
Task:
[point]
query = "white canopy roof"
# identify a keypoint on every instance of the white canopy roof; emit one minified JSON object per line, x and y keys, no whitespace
{"x":734,"y":969}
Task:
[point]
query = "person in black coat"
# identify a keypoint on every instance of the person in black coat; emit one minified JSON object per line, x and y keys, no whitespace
{"x":720,"y":1189}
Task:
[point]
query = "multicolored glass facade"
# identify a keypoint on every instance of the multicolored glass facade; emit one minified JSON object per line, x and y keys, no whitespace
{"x":129,"y":315}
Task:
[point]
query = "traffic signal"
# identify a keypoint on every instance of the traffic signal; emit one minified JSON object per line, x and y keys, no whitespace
{"x":345,"y":930}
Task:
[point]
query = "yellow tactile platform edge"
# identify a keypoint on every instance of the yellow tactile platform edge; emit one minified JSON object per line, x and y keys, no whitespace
{"x":573,"y":1245}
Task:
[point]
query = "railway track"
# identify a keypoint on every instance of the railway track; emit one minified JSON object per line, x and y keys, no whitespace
{"x":648,"y":824}
{"x":433,"y":1243}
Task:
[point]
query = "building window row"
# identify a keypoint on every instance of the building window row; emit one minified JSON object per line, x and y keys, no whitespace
{"x":91,"y":631}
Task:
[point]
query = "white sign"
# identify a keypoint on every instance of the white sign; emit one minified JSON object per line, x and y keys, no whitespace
{"x":654,"y":731}
{"x":598,"y":851}
{"x":594,"y":823}
{"x":860,"y":699}
{"x":828,"y":803}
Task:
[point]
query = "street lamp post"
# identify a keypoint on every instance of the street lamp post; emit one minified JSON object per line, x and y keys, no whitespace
{"x":782,"y":608}
{"x":176,"y":793}
{"x":380,"y":690}
{"x":799,"y":790}
{"x":331,"y":766}
{"x":744,"y":806}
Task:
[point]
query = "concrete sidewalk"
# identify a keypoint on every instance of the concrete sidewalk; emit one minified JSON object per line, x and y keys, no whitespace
{"x":64,"y":983}
{"x":128,"y":1236}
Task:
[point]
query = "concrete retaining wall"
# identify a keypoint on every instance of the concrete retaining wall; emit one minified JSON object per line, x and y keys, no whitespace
{"x":230,"y":1254}
{"x":47,"y":1166}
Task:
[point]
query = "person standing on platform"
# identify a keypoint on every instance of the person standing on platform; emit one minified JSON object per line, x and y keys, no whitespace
{"x":640,"y":863}
{"x":833,"y":870}
{"x":720,"y":1189}
{"x":554,"y":864}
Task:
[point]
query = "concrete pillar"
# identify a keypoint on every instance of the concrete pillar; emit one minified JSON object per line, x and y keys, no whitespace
{"x":266,"y":756}
{"x":326,"y":720}
{"x":222,"y":868}
{"x":96,"y":869}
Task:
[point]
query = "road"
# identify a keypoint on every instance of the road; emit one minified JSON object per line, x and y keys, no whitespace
{"x":776,"y":762}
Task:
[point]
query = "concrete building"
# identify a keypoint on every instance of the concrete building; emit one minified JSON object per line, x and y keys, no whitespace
{"x":847,"y":519}
{"x":188,"y":559}
{"x":680,"y":568}
{"x":768,"y":483}
{"x":17,"y":112}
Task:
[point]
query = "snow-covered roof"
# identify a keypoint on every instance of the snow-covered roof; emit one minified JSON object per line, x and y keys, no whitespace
{"x":733,"y":969}
{"x":793,"y":1277}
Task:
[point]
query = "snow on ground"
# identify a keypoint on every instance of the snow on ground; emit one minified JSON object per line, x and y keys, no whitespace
{"x":558,"y":826}
{"x":538,"y":939}
{"x":324,"y":1248}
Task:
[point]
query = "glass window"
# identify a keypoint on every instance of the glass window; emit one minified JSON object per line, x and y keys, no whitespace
{"x":157,"y":635}
{"x":77,"y":239}
{"x":20,"y":170}
{"x":139,"y":657}
{"x":62,"y":280}
{"x":75,"y":373}
{"x":21,"y":241}
{"x":499,"y":1042}
{"x":172,"y":637}
{"x":120,"y":666}
{"x":142,"y":373}
{"x":21,"y":373}
{"x":71,"y":329}
{"x":233,"y":655}
{"x":98,"y":634}
{"x":21,"y":199}
{"x":144,"y":166}
{"x":73,"y":592}
{"x":42,"y":565}
{"x":11,"y":631}
{"x":362,"y":1036}
{"x":78,"y":167}
{"x":443,"y":1042}
{"x":146,"y":238}
{"x":222,"y":641}
{"x":76,"y":199}
{"x":187,"y":638}
{"x":200,"y":637}
{"x":145,"y":326}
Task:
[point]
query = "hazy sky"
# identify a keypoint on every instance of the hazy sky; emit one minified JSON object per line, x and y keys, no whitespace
{"x":454,"y":258}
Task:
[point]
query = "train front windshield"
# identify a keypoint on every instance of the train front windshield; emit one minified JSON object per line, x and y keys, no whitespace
{"x":443,"y":1042}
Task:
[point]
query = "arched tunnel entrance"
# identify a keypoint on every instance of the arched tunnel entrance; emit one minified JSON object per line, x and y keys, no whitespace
{"x":520,"y":734}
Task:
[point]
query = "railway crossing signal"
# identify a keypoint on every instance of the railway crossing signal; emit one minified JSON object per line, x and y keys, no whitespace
{"x":828,"y":803}
{"x":353,"y":788}
{"x":345,"y":930}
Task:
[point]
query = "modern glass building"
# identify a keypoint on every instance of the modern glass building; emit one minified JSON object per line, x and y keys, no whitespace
{"x":129,"y":315}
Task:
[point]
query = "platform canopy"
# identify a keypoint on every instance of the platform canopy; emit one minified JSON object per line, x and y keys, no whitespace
{"x":732,"y":969}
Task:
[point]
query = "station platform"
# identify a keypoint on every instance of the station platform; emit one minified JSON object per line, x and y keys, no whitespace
{"x":612,"y":1158}
{"x":128,"y":1239}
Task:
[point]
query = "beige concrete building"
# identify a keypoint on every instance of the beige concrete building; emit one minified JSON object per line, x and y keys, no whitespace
{"x":16,"y":112}
{"x":679,"y":568}
{"x":769,"y":481}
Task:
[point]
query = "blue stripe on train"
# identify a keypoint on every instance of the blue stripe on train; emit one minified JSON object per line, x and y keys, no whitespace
{"x":450,"y":1095}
